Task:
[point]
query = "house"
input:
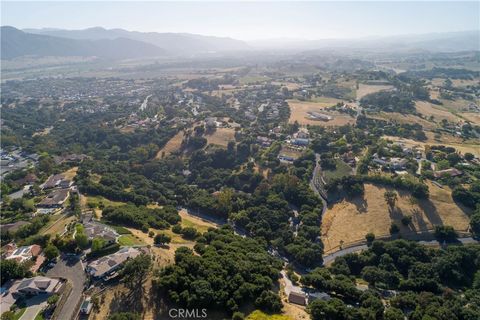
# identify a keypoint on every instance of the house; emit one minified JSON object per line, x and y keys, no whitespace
{"x":300,"y":142}
{"x":452,"y":172}
{"x":55,"y":199}
{"x":285,"y":158}
{"x":94,"y":229}
{"x":38,"y":285}
{"x":211,"y":122}
{"x":23,"y":253}
{"x":107,"y":265}
{"x":264,"y":141}
{"x":297,"y":298}
{"x":14,"y":290}
{"x":53,"y":181}
{"x":397,"y":163}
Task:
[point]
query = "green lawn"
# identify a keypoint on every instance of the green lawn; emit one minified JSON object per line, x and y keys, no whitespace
{"x":95,"y":201}
{"x":129,"y":240}
{"x":19,"y":313}
{"x":259,"y":315}
{"x":341,"y":171}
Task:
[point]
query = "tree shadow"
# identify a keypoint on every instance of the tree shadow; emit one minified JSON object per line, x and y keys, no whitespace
{"x":130,"y":301}
{"x":395,"y":213}
{"x":417,"y":217}
{"x":430,"y":211}
{"x":360,"y":204}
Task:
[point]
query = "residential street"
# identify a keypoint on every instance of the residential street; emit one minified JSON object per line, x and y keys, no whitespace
{"x":71,"y":269}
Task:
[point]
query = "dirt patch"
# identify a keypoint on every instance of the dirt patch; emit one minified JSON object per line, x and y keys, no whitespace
{"x":349,"y":221}
{"x":172,"y":145}
{"x":364,"y":89}
{"x":299,"y":111}
{"x":71,"y":173}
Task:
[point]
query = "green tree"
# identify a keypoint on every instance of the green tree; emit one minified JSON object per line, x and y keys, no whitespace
{"x":98,"y":243}
{"x":269,"y":301}
{"x":134,"y":272}
{"x":162,"y":239}
{"x":393,"y":314}
{"x":390,"y":197}
{"x":51,"y":252}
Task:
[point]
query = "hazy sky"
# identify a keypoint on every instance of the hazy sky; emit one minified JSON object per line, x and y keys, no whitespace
{"x":249,"y":20}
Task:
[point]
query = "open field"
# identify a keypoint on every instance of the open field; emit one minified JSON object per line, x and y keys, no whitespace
{"x":172,"y":145}
{"x":341,"y":171}
{"x":402,"y":118}
{"x":364,"y":89}
{"x":129,"y":240}
{"x":429,"y":109}
{"x":299,"y":112}
{"x":259,"y":315}
{"x":221,"y":136}
{"x":198,"y":223}
{"x":349,"y":221}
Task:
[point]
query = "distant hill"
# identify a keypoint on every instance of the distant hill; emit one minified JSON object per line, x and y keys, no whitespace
{"x":174,"y":43}
{"x":434,"y":42}
{"x":16,"y":43}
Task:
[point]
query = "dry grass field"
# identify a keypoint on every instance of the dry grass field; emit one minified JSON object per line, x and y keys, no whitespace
{"x":299,"y":112}
{"x":428,"y":109}
{"x":221,"y":136}
{"x":70,"y":173}
{"x":403,"y":118}
{"x":364,"y":89}
{"x":449,"y":141}
{"x":172,"y":145}
{"x":349,"y":221}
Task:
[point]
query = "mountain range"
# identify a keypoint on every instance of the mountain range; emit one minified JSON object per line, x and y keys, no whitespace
{"x":109,"y":43}
{"x":123,"y":44}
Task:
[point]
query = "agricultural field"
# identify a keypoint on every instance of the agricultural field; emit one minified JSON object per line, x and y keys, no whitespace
{"x":364,"y":89}
{"x":350,"y":220}
{"x":299,"y":112}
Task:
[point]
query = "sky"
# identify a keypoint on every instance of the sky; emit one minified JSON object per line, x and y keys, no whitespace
{"x":251,"y":20}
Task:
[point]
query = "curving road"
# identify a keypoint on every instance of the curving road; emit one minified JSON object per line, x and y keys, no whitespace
{"x":331,"y":257}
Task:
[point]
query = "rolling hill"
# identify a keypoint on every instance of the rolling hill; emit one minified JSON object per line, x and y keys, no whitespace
{"x":173,"y":43}
{"x":16,"y":43}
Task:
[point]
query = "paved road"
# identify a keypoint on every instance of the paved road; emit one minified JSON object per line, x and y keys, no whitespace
{"x":34,"y":306}
{"x":72,"y":270}
{"x":331,"y":257}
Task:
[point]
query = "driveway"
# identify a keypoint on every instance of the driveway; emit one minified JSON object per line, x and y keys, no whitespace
{"x":34,"y":306}
{"x":71,"y":269}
